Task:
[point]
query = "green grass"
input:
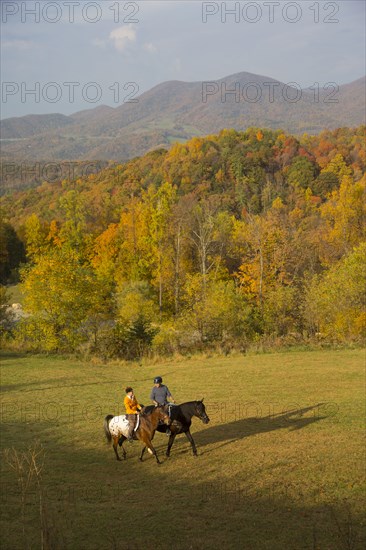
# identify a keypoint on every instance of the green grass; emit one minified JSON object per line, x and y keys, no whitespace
{"x":280,"y":465}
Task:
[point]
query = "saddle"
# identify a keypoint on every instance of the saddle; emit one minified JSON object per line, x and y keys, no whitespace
{"x":127,"y":423}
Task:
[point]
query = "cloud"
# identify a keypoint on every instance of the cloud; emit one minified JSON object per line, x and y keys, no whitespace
{"x":123,"y":37}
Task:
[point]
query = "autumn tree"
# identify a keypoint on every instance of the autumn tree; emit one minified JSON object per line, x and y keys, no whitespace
{"x":336,"y":300}
{"x":35,"y":237}
{"x":61,"y":294}
{"x":223,"y":316}
{"x":344,"y":217}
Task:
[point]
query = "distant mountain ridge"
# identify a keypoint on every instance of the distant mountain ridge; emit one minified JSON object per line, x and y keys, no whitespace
{"x":176,"y":111}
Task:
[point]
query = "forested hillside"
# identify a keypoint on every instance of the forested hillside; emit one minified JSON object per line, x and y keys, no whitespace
{"x":222,"y":241}
{"x":177,"y":111}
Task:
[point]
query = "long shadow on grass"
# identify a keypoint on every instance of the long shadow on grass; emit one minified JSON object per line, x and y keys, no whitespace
{"x":245,"y":427}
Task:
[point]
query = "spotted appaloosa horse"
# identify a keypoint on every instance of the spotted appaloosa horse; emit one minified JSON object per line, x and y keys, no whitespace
{"x":116,"y":428}
{"x":181,"y":417}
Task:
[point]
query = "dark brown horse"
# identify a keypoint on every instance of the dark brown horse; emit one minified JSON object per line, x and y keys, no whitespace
{"x":181,"y":417}
{"x":116,"y":429}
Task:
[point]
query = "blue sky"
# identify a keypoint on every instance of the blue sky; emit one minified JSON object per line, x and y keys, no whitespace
{"x":125,"y":48}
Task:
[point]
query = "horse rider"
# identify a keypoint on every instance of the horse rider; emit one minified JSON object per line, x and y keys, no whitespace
{"x":132,"y":407}
{"x":160,"y":395}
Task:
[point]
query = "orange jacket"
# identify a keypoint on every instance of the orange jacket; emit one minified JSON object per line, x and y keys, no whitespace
{"x":131,"y":405}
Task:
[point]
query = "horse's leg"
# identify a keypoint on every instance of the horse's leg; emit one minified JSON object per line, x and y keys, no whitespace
{"x":170,"y":443}
{"x":121,"y":442}
{"x":190,"y":439}
{"x":142,"y":453}
{"x":150,"y":446}
{"x":145,"y":438}
{"x":151,"y":449}
{"x":115,"y":444}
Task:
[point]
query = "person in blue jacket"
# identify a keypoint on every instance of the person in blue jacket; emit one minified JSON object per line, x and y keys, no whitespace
{"x":160,"y":395}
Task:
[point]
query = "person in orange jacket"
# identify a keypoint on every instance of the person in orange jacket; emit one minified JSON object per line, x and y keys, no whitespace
{"x":132,"y":407}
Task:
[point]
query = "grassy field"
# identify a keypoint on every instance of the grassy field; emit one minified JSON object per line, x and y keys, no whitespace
{"x":280,"y":465}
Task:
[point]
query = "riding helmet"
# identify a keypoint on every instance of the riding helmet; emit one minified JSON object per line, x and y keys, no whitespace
{"x":158,"y":380}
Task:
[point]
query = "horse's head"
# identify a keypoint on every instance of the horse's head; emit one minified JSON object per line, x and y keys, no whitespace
{"x":200,"y":411}
{"x":162,"y":411}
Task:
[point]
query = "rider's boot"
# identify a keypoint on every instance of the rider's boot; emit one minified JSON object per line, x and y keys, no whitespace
{"x":130,"y":429}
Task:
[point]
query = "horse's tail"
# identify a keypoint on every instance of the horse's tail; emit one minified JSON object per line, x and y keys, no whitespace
{"x":107,"y":433}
